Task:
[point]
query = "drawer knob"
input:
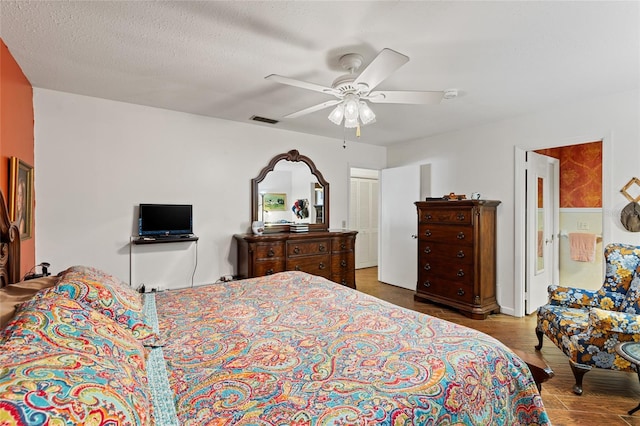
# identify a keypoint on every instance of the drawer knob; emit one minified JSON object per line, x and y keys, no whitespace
{"x":460,"y":273}
{"x":427,"y":249}
{"x":428,"y":216}
{"x":460,"y":292}
{"x":271,"y":253}
{"x":460,"y":236}
{"x":321,"y":266}
{"x":343,"y":246}
{"x":322,"y":247}
{"x":460,"y":254}
{"x":343,"y":263}
{"x":460,"y":216}
{"x":269,"y":272}
{"x":427,"y":284}
{"x":297,"y":267}
{"x":343,"y":281}
{"x":427,"y":267}
{"x":427,"y":233}
{"x":296,"y":249}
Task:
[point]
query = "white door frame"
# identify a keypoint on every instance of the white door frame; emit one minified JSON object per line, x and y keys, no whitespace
{"x":519,"y":265}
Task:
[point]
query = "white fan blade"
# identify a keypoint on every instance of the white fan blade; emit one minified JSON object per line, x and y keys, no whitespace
{"x":314,"y":108}
{"x":301,"y":84}
{"x":404,"y":97}
{"x":381,"y":67}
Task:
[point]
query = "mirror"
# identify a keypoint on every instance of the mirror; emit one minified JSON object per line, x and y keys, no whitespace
{"x":290,"y":190}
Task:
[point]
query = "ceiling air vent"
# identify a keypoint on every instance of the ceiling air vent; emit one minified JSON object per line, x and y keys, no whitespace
{"x":264,"y":119}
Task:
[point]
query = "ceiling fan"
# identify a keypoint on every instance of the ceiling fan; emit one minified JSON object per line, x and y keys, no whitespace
{"x":352,"y":90}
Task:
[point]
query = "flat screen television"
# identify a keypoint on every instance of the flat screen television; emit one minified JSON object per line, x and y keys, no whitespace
{"x":165,"y":219}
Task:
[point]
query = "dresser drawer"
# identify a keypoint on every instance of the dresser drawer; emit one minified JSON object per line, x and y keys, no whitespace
{"x":346,"y":279}
{"x":461,"y":292}
{"x":316,"y":265}
{"x":446,"y":234}
{"x":342,"y":262}
{"x":434,"y":252}
{"x":454,"y":272}
{"x":268,"y":267}
{"x":342,"y":244}
{"x":268,"y":250}
{"x":305,"y":248}
{"x":459,"y":216}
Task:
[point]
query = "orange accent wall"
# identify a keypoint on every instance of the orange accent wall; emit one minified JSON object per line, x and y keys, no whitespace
{"x":16,"y":134}
{"x":580,"y":173}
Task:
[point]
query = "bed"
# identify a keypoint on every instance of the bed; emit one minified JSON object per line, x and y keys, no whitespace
{"x":288,"y":349}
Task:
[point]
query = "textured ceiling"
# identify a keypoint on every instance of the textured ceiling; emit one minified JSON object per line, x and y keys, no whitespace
{"x":211,"y":57}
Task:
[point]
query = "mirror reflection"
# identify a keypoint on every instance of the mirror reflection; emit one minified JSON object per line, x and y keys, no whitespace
{"x":290,"y":194}
{"x":540,"y":226}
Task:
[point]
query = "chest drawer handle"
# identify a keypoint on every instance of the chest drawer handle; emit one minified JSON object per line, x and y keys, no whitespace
{"x":427,"y":249}
{"x":343,"y":281}
{"x":427,"y":284}
{"x":460,"y":273}
{"x":427,"y":233}
{"x":297,"y":267}
{"x":343,"y":246}
{"x":321,"y":266}
{"x":296,"y":249}
{"x":428,"y":216}
{"x":321,"y":248}
{"x":460,"y":216}
{"x":269,"y":272}
{"x":460,"y":236}
{"x":343,"y":263}
{"x":460,"y":292}
{"x":427,"y":267}
{"x":271,"y":253}
{"x":460,"y":254}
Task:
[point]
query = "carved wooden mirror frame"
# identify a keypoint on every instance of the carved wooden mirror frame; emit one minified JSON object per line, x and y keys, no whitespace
{"x":293,"y":156}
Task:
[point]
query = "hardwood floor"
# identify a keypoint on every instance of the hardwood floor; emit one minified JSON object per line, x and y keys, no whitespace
{"x":608,"y":395}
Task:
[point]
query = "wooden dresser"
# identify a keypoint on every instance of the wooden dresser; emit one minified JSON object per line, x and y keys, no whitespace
{"x":329,"y":254}
{"x":457,"y":255}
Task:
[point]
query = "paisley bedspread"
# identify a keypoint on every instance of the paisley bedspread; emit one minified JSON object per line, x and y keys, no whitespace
{"x":296,"y":349}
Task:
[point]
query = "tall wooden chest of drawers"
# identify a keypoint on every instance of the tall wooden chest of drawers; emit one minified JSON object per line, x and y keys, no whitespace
{"x":329,"y":254}
{"x":457,"y":255}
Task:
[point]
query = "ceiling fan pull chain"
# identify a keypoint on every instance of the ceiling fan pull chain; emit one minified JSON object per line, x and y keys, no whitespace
{"x":358,"y":130}
{"x":344,"y":138}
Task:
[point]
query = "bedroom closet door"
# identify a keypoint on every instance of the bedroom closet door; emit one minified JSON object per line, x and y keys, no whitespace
{"x":363,"y":217}
{"x":399,"y":190}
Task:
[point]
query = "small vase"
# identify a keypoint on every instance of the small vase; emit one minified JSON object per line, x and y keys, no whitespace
{"x":257,"y":226}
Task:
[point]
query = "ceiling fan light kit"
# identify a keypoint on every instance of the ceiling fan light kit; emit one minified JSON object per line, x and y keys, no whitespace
{"x":353,"y":90}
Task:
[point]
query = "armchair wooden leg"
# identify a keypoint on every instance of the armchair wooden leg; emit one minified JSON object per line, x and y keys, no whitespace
{"x":579,"y":371}
{"x":540,"y":335}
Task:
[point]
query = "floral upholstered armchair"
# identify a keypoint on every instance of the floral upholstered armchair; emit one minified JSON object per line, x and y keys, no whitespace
{"x":587,"y":324}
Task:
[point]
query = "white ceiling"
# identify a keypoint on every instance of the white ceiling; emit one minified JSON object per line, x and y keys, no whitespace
{"x":211,"y":57}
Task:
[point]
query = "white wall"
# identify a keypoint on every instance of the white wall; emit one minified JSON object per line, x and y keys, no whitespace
{"x":481,"y":160}
{"x":96,"y":160}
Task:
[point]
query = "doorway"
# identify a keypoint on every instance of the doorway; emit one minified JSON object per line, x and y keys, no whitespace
{"x":583,"y":176}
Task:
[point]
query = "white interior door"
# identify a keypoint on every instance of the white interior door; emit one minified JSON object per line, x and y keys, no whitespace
{"x":542,"y":217}
{"x":363,"y":217}
{"x":398,"y":259}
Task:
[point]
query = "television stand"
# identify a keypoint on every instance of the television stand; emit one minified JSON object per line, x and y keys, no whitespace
{"x":164,"y":239}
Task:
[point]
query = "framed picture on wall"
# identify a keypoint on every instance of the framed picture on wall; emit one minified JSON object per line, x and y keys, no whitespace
{"x":21,"y":196}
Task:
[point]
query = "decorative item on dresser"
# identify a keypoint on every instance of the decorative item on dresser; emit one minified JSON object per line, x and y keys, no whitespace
{"x":457,"y":255}
{"x":329,"y":254}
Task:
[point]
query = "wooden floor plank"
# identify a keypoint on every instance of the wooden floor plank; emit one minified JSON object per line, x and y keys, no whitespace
{"x":608,"y":395}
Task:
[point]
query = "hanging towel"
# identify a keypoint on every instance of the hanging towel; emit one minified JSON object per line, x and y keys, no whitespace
{"x":582,"y":246}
